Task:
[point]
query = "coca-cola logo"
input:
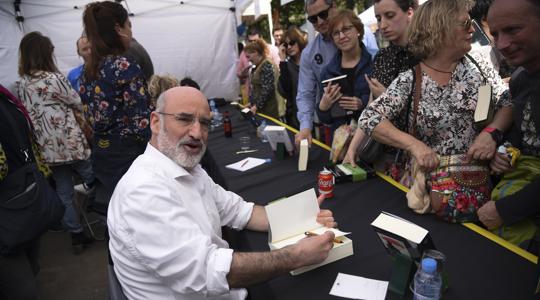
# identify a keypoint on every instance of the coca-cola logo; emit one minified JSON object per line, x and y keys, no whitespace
{"x":325,"y":183}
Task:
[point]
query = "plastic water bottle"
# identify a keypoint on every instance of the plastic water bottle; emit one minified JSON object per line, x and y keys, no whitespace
{"x":427,"y":281}
{"x":260,"y":132}
{"x":216,"y":115}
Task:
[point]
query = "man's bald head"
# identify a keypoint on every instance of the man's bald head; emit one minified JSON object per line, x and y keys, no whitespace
{"x":181,"y":95}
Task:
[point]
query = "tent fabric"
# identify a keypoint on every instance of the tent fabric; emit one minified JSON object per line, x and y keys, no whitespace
{"x":195,"y":38}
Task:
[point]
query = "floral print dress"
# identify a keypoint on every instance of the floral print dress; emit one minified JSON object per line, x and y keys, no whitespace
{"x":445,"y":119}
{"x":117,"y":104}
{"x":51,"y":101}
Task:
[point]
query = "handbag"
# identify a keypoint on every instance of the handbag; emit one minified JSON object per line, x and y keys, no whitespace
{"x":455,"y":190}
{"x":28,"y":204}
{"x":459,"y":188}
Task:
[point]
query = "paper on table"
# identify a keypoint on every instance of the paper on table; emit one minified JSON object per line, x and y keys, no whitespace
{"x":246,"y":164}
{"x":356,"y":287}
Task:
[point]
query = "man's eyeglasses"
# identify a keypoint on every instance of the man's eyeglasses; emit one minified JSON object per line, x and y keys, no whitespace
{"x":345,"y":29}
{"x":290,"y":43}
{"x":466,"y":24}
{"x":323,"y":15}
{"x":187,"y":120}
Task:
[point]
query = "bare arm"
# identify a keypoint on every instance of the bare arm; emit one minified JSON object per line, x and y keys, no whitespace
{"x":357,"y":140}
{"x":388,"y":134}
{"x":254,"y":267}
{"x":258,"y":220}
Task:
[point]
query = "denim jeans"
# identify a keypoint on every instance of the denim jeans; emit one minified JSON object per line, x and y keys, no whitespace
{"x":63,"y":176}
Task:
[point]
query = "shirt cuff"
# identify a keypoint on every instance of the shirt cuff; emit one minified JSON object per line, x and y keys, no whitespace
{"x":219,"y":265}
{"x":244,"y":214}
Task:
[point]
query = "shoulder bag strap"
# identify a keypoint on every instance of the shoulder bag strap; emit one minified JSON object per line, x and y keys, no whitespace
{"x":477,"y":66}
{"x":417,"y":96}
{"x":409,"y":99}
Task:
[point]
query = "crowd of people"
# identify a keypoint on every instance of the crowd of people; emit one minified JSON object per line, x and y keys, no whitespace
{"x":135,"y":140}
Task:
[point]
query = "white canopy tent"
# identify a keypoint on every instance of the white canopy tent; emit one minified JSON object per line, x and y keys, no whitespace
{"x":195,"y":38}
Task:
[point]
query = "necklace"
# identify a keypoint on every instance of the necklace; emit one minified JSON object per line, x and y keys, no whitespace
{"x":434,"y":69}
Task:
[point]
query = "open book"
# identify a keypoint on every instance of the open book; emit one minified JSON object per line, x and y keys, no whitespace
{"x":292,"y":217}
{"x":400,"y":236}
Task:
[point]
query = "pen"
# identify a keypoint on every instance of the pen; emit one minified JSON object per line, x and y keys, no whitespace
{"x":244,"y":163}
{"x":246,"y":151}
{"x":308,"y":233}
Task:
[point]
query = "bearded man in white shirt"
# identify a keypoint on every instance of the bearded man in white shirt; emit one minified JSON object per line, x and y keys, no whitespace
{"x":166,"y":213}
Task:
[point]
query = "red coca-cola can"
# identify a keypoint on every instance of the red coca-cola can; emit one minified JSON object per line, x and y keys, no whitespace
{"x":326,"y":183}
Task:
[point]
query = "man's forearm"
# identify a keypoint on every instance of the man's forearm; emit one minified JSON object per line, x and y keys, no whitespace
{"x":255,"y":267}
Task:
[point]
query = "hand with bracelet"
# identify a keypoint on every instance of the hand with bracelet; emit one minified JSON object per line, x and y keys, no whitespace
{"x":485,"y":144}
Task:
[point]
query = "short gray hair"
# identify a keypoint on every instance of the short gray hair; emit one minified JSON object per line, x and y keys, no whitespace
{"x":311,"y":2}
{"x":160,"y":103}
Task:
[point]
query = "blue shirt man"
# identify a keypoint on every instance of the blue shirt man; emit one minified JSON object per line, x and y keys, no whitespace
{"x":84,"y":50}
{"x":314,"y":57}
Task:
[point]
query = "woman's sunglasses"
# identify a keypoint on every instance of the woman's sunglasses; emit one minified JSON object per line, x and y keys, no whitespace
{"x":323,"y":15}
{"x":291,"y":43}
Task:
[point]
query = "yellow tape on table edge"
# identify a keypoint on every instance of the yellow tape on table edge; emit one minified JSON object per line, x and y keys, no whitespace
{"x":525,"y":254}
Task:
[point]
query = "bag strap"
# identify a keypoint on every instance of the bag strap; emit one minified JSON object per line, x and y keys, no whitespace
{"x":477,"y":66}
{"x":417,"y":95}
{"x":23,"y":147}
{"x":409,"y":99}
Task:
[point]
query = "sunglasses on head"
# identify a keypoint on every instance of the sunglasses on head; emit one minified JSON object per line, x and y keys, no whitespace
{"x":290,"y":43}
{"x":323,"y":15}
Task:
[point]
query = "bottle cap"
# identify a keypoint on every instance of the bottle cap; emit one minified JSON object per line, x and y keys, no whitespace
{"x":268,"y":160}
{"x":429,"y":265}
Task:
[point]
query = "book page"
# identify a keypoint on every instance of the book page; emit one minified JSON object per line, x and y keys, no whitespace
{"x":292,"y":216}
{"x":401,"y":227}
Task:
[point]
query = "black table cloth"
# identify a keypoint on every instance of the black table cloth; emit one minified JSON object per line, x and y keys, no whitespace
{"x":477,"y":267}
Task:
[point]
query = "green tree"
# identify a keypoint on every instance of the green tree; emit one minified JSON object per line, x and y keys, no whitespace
{"x":292,"y":13}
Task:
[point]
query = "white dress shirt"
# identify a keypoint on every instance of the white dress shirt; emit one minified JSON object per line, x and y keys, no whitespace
{"x":165,"y":231}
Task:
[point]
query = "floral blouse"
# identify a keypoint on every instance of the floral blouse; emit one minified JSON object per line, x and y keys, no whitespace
{"x":445,"y":118}
{"x":50,"y":101}
{"x":117,"y":104}
{"x":391,"y":61}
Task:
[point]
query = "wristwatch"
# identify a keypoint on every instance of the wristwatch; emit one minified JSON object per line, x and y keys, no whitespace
{"x":495,"y":133}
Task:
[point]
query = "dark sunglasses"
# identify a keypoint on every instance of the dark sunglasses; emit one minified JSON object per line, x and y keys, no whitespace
{"x":467,"y":23}
{"x":323,"y":15}
{"x":290,"y":43}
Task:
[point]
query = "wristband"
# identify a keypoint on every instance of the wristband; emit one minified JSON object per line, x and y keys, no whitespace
{"x":495,"y":133}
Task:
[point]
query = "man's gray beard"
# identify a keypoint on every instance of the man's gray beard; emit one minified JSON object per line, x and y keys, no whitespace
{"x":177,"y":153}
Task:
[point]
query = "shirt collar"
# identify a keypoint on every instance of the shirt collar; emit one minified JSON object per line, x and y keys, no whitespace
{"x":165,"y":164}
